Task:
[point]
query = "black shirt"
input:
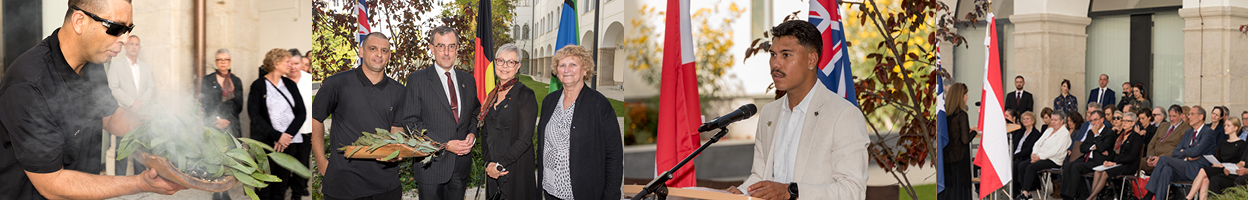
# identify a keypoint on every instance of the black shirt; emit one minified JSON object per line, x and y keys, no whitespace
{"x":358,"y":106}
{"x":50,"y":117}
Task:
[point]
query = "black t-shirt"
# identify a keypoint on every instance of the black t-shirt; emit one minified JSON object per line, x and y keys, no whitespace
{"x":51,"y":118}
{"x":358,"y":106}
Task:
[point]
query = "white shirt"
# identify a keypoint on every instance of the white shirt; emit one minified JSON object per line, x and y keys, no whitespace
{"x":442,"y":78}
{"x":305,"y":91}
{"x":1100,"y":95}
{"x":134,"y":70}
{"x":788,"y":136}
{"x":281,"y":113}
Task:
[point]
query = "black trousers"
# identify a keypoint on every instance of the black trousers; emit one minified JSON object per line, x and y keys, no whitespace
{"x":1073,"y":183}
{"x":452,"y":189}
{"x":396,"y":193}
{"x":958,"y":180}
{"x":302,"y":152}
{"x":1029,"y":171}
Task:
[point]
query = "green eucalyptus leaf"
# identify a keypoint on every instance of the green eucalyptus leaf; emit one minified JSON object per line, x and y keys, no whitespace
{"x":392,"y":155}
{"x":290,"y":163}
{"x":265,"y":177}
{"x":246,"y":179}
{"x":255,"y":143}
{"x":239,"y":166}
{"x":251,"y":192}
{"x":375,"y":146}
{"x":242,"y":156}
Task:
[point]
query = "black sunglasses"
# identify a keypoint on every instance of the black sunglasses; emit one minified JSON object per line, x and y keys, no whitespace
{"x":113,"y":28}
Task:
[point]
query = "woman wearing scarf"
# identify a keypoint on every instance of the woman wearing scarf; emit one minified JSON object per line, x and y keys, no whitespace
{"x":221,"y":101}
{"x":507,"y":123}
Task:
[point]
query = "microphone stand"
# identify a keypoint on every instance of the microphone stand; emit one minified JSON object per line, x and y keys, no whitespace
{"x":658,"y":186}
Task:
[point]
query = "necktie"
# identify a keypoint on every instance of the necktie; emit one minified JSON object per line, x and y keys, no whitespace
{"x":1193,"y":141}
{"x":450,"y":90}
{"x":1163,"y":138}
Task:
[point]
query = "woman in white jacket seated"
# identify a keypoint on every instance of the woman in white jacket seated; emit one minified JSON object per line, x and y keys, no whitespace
{"x":1048,"y":153}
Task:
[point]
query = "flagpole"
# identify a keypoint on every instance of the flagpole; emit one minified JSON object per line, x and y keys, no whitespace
{"x":597,"y":10}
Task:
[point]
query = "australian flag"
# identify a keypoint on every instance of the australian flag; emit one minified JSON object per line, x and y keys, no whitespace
{"x":361,"y":19}
{"x":834,"y":69}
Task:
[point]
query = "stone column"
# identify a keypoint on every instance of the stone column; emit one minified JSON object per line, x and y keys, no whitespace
{"x":1049,"y":46}
{"x":1214,"y":65}
{"x":606,"y":66}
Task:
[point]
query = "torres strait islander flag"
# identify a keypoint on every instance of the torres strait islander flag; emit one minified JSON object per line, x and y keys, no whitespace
{"x":679,"y":110}
{"x":993,"y":156}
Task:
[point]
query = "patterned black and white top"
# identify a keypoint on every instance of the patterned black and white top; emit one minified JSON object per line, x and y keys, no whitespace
{"x":557,"y":179}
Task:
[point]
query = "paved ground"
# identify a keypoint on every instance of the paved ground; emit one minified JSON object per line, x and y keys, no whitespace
{"x":238,"y":194}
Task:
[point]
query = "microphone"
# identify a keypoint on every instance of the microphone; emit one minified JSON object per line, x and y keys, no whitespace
{"x":740,"y":114}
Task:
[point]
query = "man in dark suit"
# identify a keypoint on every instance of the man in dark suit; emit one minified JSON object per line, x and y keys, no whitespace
{"x":443,"y":101}
{"x":1186,"y":160}
{"x":1019,"y":100}
{"x":1103,"y":94}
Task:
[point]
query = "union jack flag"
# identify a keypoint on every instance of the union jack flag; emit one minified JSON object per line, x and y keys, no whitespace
{"x":361,"y":18}
{"x":834,"y":70}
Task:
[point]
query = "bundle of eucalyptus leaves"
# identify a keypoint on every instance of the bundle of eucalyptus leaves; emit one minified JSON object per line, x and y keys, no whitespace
{"x":212,"y":155}
{"x":383,"y":137}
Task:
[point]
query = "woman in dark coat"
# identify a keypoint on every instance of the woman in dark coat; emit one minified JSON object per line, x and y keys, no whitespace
{"x":958,"y":152}
{"x":221,"y":100}
{"x":580,"y":149}
{"x":507,"y":123}
{"x":277,"y":112}
{"x":1126,"y":152}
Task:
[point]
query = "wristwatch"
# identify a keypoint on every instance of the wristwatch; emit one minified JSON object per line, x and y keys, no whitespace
{"x":499,"y":167}
{"x":792,"y":191}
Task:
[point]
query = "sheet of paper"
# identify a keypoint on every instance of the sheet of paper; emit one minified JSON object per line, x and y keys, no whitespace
{"x":1211,"y":159}
{"x":1231,"y":167}
{"x":1101,"y":168}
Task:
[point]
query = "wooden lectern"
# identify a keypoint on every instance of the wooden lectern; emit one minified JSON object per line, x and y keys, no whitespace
{"x":687,"y":193}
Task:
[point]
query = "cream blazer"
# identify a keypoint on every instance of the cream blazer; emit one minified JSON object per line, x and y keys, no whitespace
{"x":832,"y":160}
{"x":1052,"y":146}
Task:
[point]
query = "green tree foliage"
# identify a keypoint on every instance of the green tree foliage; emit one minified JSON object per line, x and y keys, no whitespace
{"x":644,"y":50}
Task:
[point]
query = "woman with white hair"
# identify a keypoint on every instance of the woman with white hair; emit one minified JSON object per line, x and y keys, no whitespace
{"x":507,"y":122}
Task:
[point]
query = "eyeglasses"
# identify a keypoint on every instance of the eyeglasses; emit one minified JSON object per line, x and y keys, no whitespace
{"x":446,"y":47}
{"x":1117,"y":118}
{"x":508,"y":63}
{"x":113,"y":28}
{"x":227,"y":59}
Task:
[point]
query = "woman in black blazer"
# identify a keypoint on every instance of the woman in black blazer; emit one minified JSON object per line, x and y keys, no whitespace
{"x":1125,"y":151}
{"x":222,"y":100}
{"x":958,"y":152}
{"x":579,"y":143}
{"x":507,"y":120}
{"x":274,"y":102}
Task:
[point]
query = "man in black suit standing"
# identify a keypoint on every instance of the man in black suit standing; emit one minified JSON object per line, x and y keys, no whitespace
{"x":1019,"y":100}
{"x":1102,"y":95}
{"x":443,"y":100}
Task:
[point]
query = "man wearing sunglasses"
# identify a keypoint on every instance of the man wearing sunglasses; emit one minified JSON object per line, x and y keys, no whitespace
{"x":54,"y":100}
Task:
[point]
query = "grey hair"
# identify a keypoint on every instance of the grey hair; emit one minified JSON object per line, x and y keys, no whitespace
{"x":224,"y":51}
{"x":1059,"y":115}
{"x":509,"y":47}
{"x":1095,"y":105}
{"x":1129,"y":115}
